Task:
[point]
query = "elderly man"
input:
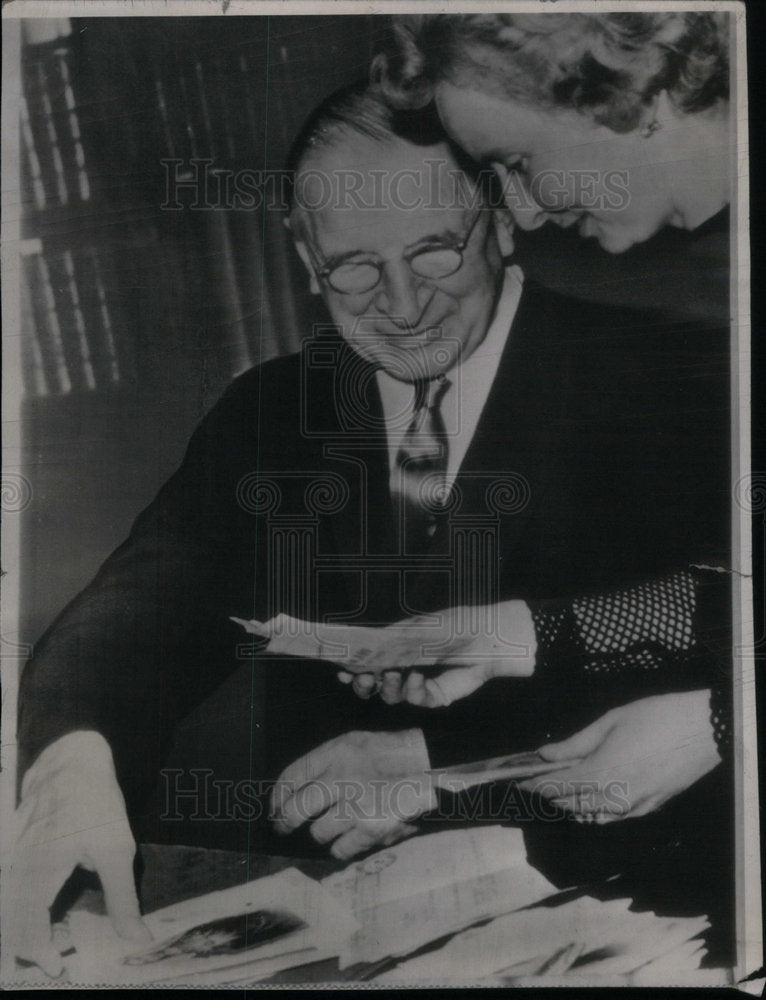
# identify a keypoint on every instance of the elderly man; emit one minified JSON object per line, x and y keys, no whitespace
{"x":446,"y":443}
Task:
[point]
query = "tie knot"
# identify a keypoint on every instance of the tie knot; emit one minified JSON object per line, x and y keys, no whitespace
{"x":429,"y":392}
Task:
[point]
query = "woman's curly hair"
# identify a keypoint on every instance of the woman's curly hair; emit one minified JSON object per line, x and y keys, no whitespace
{"x":608,"y":66}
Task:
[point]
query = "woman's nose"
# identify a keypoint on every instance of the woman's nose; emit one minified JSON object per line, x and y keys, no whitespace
{"x":528,"y":216}
{"x":520,"y":202}
{"x":401,"y":295}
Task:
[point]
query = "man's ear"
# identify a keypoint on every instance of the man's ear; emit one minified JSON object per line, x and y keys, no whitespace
{"x":504,"y":227}
{"x":304,"y":255}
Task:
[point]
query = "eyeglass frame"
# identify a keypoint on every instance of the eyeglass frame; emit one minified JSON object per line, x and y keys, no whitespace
{"x":325,"y":271}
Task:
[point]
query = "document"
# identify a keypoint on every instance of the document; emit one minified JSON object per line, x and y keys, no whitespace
{"x":416,"y":892}
{"x":249,"y":931}
{"x":584,"y":937}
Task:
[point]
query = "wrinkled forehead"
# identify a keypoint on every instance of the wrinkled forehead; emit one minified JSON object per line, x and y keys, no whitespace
{"x":361,"y":189}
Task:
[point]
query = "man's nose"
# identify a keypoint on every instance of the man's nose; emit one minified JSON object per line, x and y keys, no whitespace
{"x":401,"y":295}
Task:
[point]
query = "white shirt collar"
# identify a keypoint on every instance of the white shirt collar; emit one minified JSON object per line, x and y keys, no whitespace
{"x":470,"y":384}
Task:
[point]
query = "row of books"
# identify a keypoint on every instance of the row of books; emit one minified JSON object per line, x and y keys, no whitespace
{"x":69,"y":342}
{"x":102,"y":108}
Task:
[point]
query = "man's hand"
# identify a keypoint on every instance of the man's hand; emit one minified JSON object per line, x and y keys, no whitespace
{"x":72,"y":813}
{"x":472,"y":644}
{"x":633,"y":759}
{"x":359,"y":791}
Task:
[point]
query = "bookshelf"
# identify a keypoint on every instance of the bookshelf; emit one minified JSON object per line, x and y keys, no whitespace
{"x":118,"y":284}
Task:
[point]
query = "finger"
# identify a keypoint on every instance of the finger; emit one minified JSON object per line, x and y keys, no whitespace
{"x":46,"y":957}
{"x":31,"y":938}
{"x":567,"y":805}
{"x":501,"y":170}
{"x":391,"y":690}
{"x":399,"y":833}
{"x":415,"y":688}
{"x":593,"y":817}
{"x":550,"y":785}
{"x":114,"y":866}
{"x":580,"y":744}
{"x":34,"y":883}
{"x":594,"y":807}
{"x":310,"y":767}
{"x":371,"y":663}
{"x":308,"y":802}
{"x":344,"y":677}
{"x":329,"y":826}
{"x":460,"y":682}
{"x":434,"y":696}
{"x":605,"y":816}
{"x":365,"y":685}
{"x":353,"y":842}
{"x":410,"y":799}
{"x":280,"y":793}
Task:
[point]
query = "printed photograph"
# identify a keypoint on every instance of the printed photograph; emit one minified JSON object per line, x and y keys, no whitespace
{"x":377,"y":497}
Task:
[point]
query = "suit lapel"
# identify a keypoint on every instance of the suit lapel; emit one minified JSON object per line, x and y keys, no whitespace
{"x":355,"y":450}
{"x":508,"y":467}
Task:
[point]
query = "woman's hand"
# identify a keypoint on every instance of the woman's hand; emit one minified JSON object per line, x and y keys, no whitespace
{"x":633,"y":759}
{"x":470,"y":644}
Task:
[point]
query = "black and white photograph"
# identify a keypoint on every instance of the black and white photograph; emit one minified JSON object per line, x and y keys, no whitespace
{"x":378,"y":513}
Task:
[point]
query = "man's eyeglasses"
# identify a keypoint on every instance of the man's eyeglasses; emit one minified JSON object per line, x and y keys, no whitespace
{"x":358,"y":277}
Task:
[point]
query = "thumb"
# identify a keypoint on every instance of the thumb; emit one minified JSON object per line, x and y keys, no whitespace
{"x":31,"y":940}
{"x":454,"y":684}
{"x":47,"y":957}
{"x":580,"y":744}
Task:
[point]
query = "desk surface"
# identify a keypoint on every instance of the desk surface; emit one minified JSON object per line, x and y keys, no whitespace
{"x":169,"y":874}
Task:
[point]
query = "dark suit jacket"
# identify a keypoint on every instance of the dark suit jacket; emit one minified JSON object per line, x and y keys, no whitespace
{"x":601,"y":458}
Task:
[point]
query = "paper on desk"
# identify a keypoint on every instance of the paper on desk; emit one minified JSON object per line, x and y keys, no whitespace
{"x":603,"y":938}
{"x":417,"y":891}
{"x":311,"y":924}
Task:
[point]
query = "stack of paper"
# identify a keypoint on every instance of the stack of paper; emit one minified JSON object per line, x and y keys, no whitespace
{"x":420,"y":890}
{"x":584,"y":939}
{"x":509,"y":922}
{"x":388,"y":904}
{"x":247,"y":932}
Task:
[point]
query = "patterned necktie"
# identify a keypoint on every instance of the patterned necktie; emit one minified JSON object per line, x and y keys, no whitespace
{"x":418,"y":481}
